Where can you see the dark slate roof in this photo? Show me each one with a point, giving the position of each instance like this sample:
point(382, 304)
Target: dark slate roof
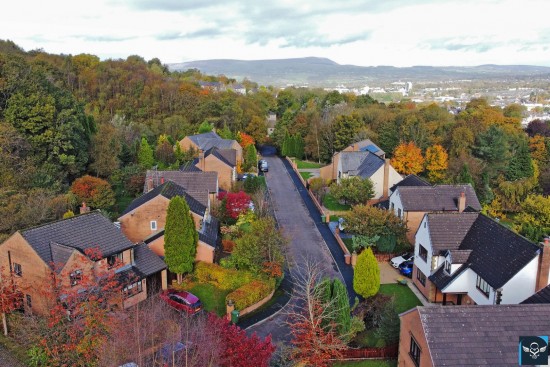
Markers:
point(480, 335)
point(209, 233)
point(190, 166)
point(146, 262)
point(81, 232)
point(410, 180)
point(190, 181)
point(168, 189)
point(460, 256)
point(227, 156)
point(209, 140)
point(60, 255)
point(200, 196)
point(497, 253)
point(362, 164)
point(542, 296)
point(441, 279)
point(436, 198)
point(367, 145)
point(447, 230)
point(200, 138)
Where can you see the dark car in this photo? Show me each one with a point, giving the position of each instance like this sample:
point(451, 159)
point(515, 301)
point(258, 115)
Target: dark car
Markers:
point(182, 301)
point(406, 268)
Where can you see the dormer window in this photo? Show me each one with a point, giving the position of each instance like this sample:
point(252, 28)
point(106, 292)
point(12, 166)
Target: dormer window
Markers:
point(448, 266)
point(113, 260)
point(75, 277)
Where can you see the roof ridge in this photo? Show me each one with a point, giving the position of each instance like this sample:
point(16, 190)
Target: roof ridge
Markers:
point(74, 217)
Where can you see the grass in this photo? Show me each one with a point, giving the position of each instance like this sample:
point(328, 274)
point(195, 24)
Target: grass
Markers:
point(305, 175)
point(332, 204)
point(405, 299)
point(349, 243)
point(307, 165)
point(211, 297)
point(368, 363)
point(17, 351)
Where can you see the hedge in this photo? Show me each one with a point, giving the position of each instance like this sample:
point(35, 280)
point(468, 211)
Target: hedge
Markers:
point(251, 293)
point(226, 279)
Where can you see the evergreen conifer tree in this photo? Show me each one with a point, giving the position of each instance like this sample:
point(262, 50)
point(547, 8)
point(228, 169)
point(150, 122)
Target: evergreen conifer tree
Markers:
point(145, 155)
point(366, 275)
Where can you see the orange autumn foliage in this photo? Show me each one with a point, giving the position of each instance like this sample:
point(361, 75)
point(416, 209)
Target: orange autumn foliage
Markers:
point(245, 139)
point(407, 159)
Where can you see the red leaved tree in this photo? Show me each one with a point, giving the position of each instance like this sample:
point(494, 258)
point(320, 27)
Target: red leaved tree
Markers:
point(10, 297)
point(245, 139)
point(96, 192)
point(235, 203)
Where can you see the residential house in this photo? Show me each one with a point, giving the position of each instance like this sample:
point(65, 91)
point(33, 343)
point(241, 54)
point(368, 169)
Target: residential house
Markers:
point(330, 171)
point(368, 165)
point(410, 180)
point(469, 258)
point(542, 296)
point(271, 122)
point(145, 218)
point(62, 248)
point(212, 86)
point(202, 186)
point(238, 88)
point(468, 335)
point(222, 161)
point(209, 140)
point(411, 203)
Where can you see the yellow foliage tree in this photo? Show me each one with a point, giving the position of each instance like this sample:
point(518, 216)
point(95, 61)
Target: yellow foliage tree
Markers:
point(537, 146)
point(437, 161)
point(408, 159)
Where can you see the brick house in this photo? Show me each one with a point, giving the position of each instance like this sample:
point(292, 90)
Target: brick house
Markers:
point(468, 258)
point(330, 171)
point(144, 220)
point(33, 255)
point(210, 140)
point(202, 186)
point(468, 335)
point(222, 161)
point(411, 203)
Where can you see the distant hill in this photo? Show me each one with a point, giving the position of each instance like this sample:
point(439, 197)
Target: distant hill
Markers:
point(315, 71)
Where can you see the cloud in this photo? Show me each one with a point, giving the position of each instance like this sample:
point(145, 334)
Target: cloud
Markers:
point(91, 38)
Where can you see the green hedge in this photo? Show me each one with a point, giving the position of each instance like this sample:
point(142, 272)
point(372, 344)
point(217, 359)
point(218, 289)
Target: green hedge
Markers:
point(251, 293)
point(226, 279)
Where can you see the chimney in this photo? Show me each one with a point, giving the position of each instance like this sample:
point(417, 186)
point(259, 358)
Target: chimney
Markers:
point(84, 208)
point(201, 160)
point(386, 183)
point(462, 202)
point(544, 265)
point(162, 180)
point(149, 184)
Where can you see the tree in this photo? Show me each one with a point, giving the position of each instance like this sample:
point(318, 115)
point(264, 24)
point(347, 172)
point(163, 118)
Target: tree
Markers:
point(250, 158)
point(345, 128)
point(165, 154)
point(369, 221)
point(534, 218)
point(465, 177)
point(205, 127)
point(407, 159)
point(366, 275)
point(105, 149)
point(145, 155)
point(94, 191)
point(10, 297)
point(180, 238)
point(244, 139)
point(317, 185)
point(539, 149)
point(388, 323)
point(520, 165)
point(353, 190)
point(492, 146)
point(235, 203)
point(257, 129)
point(436, 163)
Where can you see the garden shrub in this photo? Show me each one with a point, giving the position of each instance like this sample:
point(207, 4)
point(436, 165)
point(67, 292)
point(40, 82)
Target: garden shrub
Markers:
point(222, 278)
point(251, 293)
point(228, 245)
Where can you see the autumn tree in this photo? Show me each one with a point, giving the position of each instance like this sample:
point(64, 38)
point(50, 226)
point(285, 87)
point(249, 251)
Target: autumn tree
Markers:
point(370, 221)
point(244, 139)
point(105, 149)
point(407, 159)
point(520, 165)
point(145, 155)
point(234, 203)
point(534, 218)
point(539, 149)
point(250, 158)
point(353, 190)
point(436, 163)
point(10, 297)
point(257, 129)
point(366, 274)
point(180, 238)
point(94, 191)
point(345, 128)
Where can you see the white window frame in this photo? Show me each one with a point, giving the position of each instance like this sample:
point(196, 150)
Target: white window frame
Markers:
point(153, 225)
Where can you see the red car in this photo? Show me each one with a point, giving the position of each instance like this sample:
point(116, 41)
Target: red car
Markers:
point(182, 301)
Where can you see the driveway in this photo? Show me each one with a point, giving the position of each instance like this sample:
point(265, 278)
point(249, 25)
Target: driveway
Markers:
point(305, 241)
point(6, 359)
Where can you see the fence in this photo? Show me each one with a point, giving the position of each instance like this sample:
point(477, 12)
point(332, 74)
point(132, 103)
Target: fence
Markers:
point(389, 351)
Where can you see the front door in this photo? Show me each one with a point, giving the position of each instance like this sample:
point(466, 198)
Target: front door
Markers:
point(459, 299)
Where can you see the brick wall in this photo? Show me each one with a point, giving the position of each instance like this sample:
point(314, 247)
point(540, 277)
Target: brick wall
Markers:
point(413, 220)
point(225, 172)
point(411, 326)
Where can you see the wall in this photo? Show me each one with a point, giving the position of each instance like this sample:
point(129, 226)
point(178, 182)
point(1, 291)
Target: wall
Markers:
point(137, 298)
point(35, 273)
point(413, 220)
point(136, 225)
point(378, 180)
point(225, 172)
point(522, 285)
point(205, 252)
point(411, 325)
point(187, 144)
point(257, 305)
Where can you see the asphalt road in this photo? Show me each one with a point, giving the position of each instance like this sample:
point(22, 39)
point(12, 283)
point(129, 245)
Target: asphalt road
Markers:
point(305, 241)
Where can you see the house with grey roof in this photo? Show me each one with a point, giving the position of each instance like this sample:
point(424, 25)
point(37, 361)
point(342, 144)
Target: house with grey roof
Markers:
point(202, 186)
point(210, 140)
point(491, 335)
point(72, 248)
point(367, 165)
point(145, 218)
point(469, 258)
point(411, 203)
point(222, 161)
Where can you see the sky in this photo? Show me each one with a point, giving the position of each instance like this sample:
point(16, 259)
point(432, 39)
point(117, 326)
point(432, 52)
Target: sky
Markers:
point(357, 32)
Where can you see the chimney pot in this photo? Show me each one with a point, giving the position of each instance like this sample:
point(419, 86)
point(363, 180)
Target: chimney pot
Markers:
point(84, 208)
point(462, 202)
point(161, 180)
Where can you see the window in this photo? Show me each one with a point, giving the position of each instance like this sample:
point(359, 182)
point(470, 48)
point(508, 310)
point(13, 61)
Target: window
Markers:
point(414, 352)
point(399, 212)
point(420, 276)
point(133, 289)
point(17, 270)
point(29, 301)
point(482, 286)
point(423, 253)
point(76, 277)
point(392, 206)
point(425, 224)
point(153, 225)
point(113, 260)
point(448, 267)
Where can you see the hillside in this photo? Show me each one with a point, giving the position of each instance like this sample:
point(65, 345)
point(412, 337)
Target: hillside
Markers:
point(314, 71)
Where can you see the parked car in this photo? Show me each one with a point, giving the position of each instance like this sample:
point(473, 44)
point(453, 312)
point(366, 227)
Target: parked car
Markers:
point(245, 176)
point(341, 226)
point(262, 165)
point(406, 269)
point(398, 260)
point(182, 301)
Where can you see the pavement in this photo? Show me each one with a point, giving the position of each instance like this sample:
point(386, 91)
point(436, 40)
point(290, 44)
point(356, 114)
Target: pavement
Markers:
point(7, 360)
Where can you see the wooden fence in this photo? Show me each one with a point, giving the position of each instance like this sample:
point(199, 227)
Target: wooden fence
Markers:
point(389, 351)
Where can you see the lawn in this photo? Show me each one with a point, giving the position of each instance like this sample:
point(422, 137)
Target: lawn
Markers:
point(349, 243)
point(211, 297)
point(405, 299)
point(368, 363)
point(306, 164)
point(332, 204)
point(305, 175)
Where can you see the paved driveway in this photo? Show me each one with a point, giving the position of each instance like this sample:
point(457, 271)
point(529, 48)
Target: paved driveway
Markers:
point(305, 240)
point(7, 360)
